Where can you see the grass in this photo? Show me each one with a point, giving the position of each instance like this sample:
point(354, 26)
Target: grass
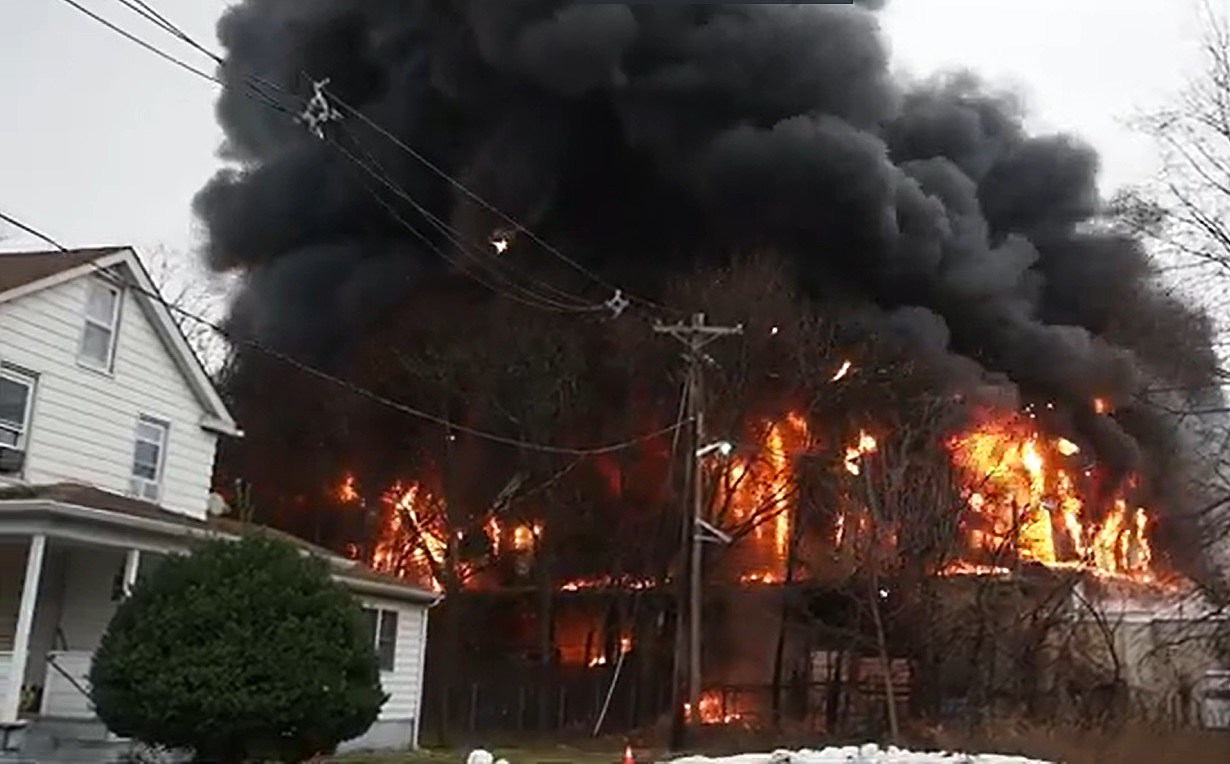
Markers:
point(1129, 744)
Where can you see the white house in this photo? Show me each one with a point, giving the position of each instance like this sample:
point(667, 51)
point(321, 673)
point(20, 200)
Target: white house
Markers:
point(1166, 642)
point(108, 432)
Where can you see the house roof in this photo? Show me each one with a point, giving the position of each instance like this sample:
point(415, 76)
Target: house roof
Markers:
point(79, 495)
point(22, 268)
point(89, 496)
point(23, 273)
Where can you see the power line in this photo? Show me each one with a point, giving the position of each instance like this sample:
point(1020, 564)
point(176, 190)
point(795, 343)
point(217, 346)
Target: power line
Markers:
point(259, 94)
point(260, 88)
point(256, 84)
point(458, 238)
point(144, 9)
point(474, 196)
point(427, 242)
point(530, 297)
point(151, 48)
point(147, 12)
point(358, 389)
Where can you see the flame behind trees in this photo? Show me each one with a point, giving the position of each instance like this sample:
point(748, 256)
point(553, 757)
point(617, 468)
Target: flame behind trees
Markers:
point(1024, 496)
point(1025, 502)
point(425, 502)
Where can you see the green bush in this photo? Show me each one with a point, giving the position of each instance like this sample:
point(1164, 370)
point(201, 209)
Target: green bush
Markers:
point(241, 651)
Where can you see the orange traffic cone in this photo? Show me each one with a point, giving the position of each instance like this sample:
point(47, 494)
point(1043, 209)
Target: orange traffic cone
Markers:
point(628, 759)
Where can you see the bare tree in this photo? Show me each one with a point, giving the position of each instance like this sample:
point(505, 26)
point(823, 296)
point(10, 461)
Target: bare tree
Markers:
point(191, 294)
point(1184, 216)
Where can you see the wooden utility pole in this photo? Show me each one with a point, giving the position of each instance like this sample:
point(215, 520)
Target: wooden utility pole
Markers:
point(695, 336)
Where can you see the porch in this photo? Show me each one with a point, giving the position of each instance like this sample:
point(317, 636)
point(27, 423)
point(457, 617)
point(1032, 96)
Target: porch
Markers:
point(57, 596)
point(69, 554)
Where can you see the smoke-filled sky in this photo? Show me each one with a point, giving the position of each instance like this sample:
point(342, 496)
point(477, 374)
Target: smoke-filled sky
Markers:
point(100, 142)
point(643, 138)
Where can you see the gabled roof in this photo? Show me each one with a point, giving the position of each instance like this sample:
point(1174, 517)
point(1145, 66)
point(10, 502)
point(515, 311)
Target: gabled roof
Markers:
point(120, 510)
point(24, 273)
point(22, 268)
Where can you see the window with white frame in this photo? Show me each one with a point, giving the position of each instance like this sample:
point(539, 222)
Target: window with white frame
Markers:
point(102, 314)
point(383, 628)
point(16, 403)
point(148, 457)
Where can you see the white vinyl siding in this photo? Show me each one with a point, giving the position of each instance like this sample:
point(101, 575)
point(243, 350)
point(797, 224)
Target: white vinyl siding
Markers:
point(83, 428)
point(102, 316)
point(404, 682)
point(16, 402)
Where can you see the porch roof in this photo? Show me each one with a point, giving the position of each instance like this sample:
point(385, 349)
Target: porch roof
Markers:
point(86, 505)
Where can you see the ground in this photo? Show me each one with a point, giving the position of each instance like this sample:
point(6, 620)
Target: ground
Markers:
point(542, 755)
point(1133, 744)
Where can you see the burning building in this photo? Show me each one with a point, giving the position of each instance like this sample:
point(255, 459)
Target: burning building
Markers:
point(1031, 526)
point(955, 369)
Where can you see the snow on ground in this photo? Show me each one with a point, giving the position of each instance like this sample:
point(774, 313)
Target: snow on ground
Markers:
point(867, 754)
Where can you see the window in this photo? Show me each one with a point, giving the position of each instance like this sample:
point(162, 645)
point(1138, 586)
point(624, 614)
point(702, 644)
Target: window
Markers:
point(102, 312)
point(16, 401)
point(383, 628)
point(147, 458)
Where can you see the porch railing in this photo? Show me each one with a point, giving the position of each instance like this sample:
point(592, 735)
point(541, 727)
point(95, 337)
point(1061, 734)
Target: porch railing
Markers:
point(65, 687)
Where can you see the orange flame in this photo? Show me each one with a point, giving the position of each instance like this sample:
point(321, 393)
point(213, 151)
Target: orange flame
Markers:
point(712, 710)
point(624, 647)
point(346, 492)
point(1025, 506)
point(523, 537)
point(758, 491)
point(963, 568)
point(413, 541)
point(854, 454)
point(496, 533)
point(1024, 501)
point(764, 577)
point(607, 582)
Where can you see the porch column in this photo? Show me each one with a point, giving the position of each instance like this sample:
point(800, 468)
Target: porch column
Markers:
point(131, 564)
point(11, 700)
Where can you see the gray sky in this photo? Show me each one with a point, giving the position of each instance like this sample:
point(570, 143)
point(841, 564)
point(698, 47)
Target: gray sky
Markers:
point(103, 143)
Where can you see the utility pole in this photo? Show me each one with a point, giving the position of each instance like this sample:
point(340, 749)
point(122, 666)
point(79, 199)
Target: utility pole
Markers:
point(695, 336)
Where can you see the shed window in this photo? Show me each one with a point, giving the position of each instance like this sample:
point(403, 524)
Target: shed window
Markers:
point(382, 625)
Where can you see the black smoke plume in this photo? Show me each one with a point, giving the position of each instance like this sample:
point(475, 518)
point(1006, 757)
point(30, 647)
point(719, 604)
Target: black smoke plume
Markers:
point(641, 138)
